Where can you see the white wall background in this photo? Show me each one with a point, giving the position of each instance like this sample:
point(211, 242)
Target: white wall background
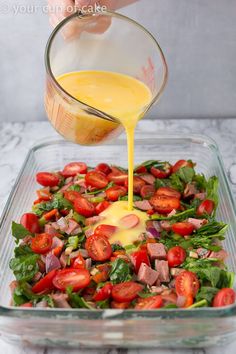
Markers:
point(198, 38)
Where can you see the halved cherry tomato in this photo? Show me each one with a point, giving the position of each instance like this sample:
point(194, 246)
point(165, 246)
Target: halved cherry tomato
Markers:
point(224, 297)
point(84, 207)
point(168, 192)
point(141, 169)
point(162, 171)
point(47, 179)
point(45, 284)
point(183, 228)
point(104, 168)
point(138, 184)
point(71, 195)
point(78, 262)
point(147, 191)
point(105, 230)
point(49, 215)
point(115, 192)
point(139, 257)
point(102, 206)
point(103, 293)
point(126, 292)
point(181, 163)
point(74, 168)
point(120, 305)
point(118, 178)
point(98, 248)
point(206, 207)
point(27, 305)
point(186, 283)
point(44, 194)
point(96, 179)
point(129, 221)
point(75, 278)
point(41, 243)
point(163, 204)
point(176, 256)
point(153, 302)
point(150, 212)
point(30, 222)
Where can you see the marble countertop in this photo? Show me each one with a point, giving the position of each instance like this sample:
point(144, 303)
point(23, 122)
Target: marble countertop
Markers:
point(17, 138)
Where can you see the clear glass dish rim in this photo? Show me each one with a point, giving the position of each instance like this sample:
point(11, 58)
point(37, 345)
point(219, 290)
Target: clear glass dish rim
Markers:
point(110, 314)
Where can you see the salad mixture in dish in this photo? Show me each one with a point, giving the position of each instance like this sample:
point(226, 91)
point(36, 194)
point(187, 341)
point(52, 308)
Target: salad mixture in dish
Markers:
point(81, 247)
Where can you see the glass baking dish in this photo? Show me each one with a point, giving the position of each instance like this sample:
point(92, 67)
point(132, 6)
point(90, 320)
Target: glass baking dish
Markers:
point(82, 328)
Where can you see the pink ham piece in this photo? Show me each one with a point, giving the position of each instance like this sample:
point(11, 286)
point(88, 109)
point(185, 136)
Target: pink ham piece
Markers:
point(89, 232)
point(52, 262)
point(165, 225)
point(162, 269)
point(129, 221)
point(221, 255)
point(49, 229)
point(13, 285)
point(64, 188)
point(156, 251)
point(157, 289)
point(203, 253)
point(200, 196)
point(148, 178)
point(73, 227)
point(173, 212)
point(61, 300)
point(176, 271)
point(143, 205)
point(147, 275)
point(62, 224)
point(190, 190)
point(197, 223)
point(93, 220)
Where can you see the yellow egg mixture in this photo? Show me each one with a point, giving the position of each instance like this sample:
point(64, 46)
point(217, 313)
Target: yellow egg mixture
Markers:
point(124, 98)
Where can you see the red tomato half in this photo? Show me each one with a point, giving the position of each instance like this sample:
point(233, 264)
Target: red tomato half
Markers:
point(120, 305)
point(96, 179)
point(147, 191)
point(75, 278)
point(153, 302)
point(181, 163)
point(41, 243)
point(104, 168)
point(206, 207)
point(163, 204)
point(176, 256)
point(138, 184)
point(141, 169)
point(74, 168)
point(27, 305)
point(105, 230)
point(78, 262)
point(84, 207)
point(168, 192)
point(139, 257)
point(118, 178)
point(98, 248)
point(103, 293)
point(102, 206)
point(186, 283)
point(30, 222)
point(47, 179)
point(183, 228)
point(224, 297)
point(45, 284)
point(126, 292)
point(71, 195)
point(115, 192)
point(163, 172)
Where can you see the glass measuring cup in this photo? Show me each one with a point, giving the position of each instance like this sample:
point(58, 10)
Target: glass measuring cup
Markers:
point(101, 41)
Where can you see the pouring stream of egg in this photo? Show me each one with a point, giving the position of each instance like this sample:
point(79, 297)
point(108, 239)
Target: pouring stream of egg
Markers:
point(124, 98)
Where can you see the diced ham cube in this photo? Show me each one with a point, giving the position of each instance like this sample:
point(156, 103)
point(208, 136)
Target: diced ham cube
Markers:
point(200, 196)
point(162, 269)
point(221, 255)
point(93, 220)
point(49, 229)
point(143, 205)
point(147, 275)
point(165, 225)
point(197, 223)
point(190, 190)
point(156, 251)
point(148, 178)
point(61, 300)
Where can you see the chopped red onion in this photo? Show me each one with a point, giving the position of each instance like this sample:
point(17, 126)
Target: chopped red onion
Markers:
point(154, 232)
point(88, 263)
